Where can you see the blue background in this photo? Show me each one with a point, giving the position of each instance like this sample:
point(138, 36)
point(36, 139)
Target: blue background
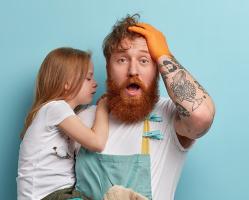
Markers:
point(210, 38)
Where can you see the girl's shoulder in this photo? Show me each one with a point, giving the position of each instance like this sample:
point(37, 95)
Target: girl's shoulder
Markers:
point(55, 104)
point(56, 111)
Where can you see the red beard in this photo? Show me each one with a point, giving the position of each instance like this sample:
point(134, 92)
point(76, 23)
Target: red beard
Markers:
point(130, 109)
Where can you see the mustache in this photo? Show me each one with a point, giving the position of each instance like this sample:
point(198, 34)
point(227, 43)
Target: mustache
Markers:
point(133, 80)
point(114, 89)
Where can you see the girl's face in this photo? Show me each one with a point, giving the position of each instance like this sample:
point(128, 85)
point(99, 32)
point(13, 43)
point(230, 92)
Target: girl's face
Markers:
point(88, 88)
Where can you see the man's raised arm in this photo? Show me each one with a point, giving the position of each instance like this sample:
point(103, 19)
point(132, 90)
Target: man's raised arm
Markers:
point(195, 108)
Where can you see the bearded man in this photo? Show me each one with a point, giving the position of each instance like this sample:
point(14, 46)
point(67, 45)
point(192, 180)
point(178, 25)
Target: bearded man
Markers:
point(149, 135)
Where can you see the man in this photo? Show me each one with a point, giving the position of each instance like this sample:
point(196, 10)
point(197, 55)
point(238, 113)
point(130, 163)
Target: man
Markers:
point(148, 135)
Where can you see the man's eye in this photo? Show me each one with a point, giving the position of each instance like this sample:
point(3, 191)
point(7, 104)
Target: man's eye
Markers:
point(144, 61)
point(121, 60)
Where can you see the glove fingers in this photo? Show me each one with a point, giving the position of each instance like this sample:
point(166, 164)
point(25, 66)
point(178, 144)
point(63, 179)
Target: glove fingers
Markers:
point(146, 26)
point(139, 30)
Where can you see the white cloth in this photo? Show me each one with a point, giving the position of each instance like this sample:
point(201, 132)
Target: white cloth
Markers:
point(118, 192)
point(46, 155)
point(167, 155)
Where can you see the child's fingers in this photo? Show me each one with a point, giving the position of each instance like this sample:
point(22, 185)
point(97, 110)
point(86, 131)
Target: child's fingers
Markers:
point(103, 97)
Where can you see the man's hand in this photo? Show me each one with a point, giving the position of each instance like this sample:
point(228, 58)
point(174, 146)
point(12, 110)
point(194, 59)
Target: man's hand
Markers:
point(155, 40)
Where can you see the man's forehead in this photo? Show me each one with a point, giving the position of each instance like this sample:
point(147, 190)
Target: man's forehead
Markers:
point(137, 43)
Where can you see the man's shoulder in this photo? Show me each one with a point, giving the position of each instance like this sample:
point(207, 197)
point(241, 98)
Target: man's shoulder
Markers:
point(163, 100)
point(88, 109)
point(88, 115)
point(164, 104)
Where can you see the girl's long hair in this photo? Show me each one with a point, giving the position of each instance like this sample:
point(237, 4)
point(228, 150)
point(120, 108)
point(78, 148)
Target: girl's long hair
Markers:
point(62, 66)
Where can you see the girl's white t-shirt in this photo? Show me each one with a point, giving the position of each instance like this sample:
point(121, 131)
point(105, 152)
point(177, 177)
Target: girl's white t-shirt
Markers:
point(46, 155)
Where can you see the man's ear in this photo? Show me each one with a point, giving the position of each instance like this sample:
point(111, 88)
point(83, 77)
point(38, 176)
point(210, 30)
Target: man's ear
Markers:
point(107, 70)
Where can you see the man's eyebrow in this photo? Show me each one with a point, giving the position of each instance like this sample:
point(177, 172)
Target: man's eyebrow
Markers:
point(120, 51)
point(125, 50)
point(144, 51)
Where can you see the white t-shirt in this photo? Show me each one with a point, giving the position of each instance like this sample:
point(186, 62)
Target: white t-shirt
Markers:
point(46, 156)
point(167, 155)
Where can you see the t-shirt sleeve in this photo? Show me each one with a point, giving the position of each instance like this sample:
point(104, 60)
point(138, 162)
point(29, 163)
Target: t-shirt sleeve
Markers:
point(57, 111)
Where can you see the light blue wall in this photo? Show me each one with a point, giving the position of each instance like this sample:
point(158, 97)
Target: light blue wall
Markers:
point(210, 38)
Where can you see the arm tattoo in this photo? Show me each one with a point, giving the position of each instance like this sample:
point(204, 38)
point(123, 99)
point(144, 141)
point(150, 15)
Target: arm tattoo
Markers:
point(196, 82)
point(183, 89)
point(181, 110)
point(169, 66)
point(177, 63)
point(201, 88)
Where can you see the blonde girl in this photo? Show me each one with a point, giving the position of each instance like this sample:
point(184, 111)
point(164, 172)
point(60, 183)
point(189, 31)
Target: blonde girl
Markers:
point(52, 129)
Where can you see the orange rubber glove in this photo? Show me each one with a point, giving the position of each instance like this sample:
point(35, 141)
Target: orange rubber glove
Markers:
point(155, 40)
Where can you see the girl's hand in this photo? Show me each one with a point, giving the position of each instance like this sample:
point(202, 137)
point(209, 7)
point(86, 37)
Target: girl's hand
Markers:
point(102, 102)
point(93, 138)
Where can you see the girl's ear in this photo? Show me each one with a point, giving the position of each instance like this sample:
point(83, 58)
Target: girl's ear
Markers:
point(67, 86)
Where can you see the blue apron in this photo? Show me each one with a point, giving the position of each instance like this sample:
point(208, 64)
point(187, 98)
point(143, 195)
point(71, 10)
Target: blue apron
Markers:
point(96, 173)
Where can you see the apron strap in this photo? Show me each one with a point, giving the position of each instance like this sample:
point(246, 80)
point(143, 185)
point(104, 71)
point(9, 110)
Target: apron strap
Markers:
point(147, 134)
point(145, 140)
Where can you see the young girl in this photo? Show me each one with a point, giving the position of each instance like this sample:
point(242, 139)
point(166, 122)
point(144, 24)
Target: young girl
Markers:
point(46, 157)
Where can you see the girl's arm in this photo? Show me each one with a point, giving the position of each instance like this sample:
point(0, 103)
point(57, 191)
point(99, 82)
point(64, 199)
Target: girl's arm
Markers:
point(93, 139)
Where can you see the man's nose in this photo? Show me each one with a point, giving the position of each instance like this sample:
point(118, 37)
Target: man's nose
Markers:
point(133, 70)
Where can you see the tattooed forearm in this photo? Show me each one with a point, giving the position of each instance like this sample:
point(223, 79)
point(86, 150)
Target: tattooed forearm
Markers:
point(191, 100)
point(201, 88)
point(181, 110)
point(176, 78)
point(169, 66)
point(177, 63)
point(183, 89)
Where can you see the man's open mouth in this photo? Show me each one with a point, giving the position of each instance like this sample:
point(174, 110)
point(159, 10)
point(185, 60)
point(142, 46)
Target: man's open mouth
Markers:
point(133, 89)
